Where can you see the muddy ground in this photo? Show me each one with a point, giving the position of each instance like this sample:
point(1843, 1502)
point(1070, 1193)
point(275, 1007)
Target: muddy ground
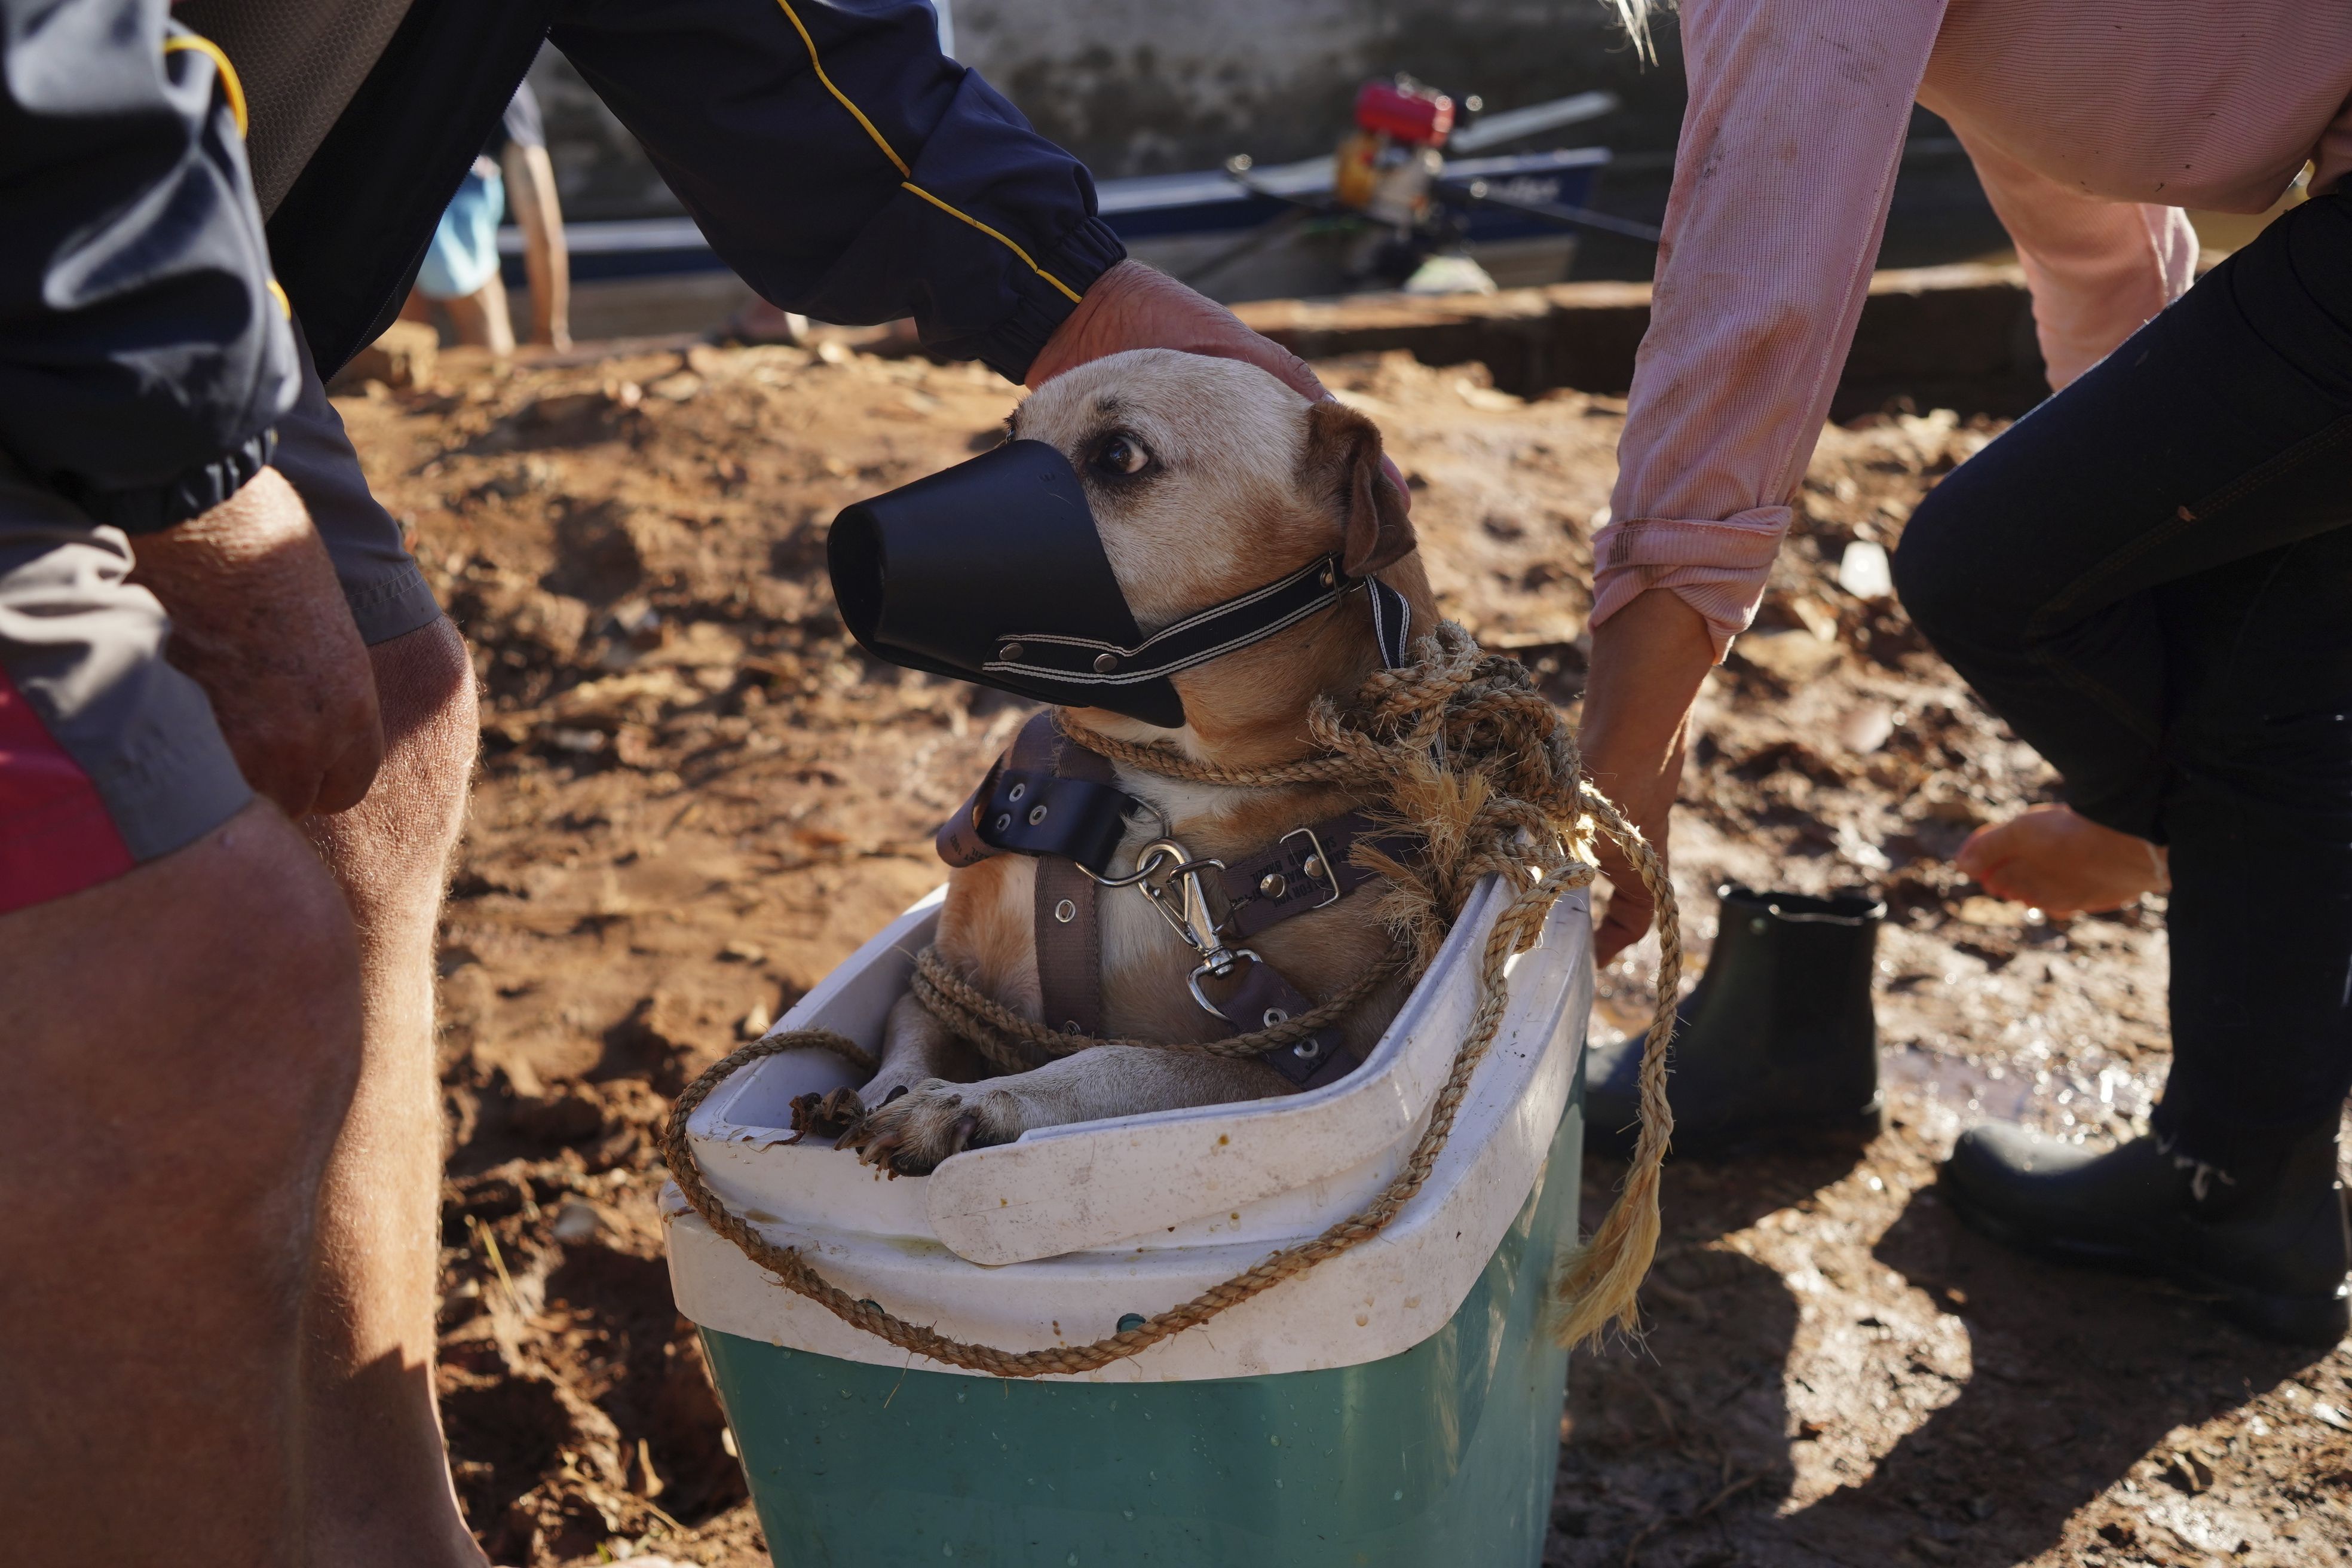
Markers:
point(695, 798)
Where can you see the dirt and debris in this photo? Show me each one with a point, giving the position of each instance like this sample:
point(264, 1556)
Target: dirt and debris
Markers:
point(695, 798)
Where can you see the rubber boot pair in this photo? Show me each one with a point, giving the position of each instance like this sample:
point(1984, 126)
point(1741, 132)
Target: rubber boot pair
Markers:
point(1776, 1047)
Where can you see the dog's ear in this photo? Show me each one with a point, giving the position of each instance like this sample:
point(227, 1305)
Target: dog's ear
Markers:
point(1343, 463)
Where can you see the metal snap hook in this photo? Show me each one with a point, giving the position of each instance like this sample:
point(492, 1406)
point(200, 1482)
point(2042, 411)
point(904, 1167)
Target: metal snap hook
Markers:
point(1211, 965)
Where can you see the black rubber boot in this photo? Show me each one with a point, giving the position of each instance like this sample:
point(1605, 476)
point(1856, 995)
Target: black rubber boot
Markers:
point(1776, 1045)
point(2269, 1248)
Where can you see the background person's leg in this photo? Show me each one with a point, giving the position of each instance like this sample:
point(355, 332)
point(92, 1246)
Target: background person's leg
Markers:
point(381, 1490)
point(461, 264)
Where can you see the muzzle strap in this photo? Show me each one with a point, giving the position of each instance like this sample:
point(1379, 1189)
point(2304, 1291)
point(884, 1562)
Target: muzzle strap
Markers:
point(1391, 623)
point(1220, 629)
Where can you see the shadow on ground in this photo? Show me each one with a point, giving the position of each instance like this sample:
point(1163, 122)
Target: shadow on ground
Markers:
point(1836, 1371)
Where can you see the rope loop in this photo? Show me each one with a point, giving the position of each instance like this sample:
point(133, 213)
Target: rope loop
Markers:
point(1462, 748)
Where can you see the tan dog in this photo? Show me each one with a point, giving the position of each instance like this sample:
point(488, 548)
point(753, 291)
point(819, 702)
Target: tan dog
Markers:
point(1207, 477)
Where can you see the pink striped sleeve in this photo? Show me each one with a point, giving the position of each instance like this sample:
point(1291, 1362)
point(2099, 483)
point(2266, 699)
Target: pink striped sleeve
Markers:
point(1795, 125)
point(2097, 268)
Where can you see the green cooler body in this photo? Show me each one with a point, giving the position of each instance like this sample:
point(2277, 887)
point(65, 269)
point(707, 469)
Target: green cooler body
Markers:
point(1380, 1410)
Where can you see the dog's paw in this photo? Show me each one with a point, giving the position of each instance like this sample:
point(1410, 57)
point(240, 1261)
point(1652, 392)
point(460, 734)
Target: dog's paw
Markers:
point(827, 1115)
point(915, 1131)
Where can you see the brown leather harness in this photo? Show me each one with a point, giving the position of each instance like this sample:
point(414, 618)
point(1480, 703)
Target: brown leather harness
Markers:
point(1056, 801)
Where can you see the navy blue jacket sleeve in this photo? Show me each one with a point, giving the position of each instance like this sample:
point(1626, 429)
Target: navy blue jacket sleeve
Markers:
point(848, 170)
point(144, 359)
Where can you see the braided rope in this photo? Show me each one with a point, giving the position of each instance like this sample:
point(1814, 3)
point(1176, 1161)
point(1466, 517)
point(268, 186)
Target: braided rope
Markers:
point(1511, 802)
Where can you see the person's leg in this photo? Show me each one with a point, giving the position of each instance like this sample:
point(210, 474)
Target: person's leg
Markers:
point(181, 992)
point(2149, 585)
point(180, 1044)
point(2219, 432)
point(381, 1489)
point(547, 259)
point(2258, 810)
point(481, 318)
point(461, 263)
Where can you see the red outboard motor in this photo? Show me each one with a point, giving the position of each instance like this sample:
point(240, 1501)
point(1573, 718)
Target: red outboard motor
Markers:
point(1385, 166)
point(1406, 111)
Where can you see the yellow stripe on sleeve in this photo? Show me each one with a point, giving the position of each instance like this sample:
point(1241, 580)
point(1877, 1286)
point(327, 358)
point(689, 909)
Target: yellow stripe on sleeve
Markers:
point(231, 88)
point(1068, 292)
point(842, 98)
point(906, 175)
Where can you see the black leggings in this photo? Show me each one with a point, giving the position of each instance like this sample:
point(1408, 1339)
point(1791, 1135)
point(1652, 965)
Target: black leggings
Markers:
point(2150, 577)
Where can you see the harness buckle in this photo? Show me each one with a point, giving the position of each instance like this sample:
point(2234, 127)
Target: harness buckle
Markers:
point(1317, 865)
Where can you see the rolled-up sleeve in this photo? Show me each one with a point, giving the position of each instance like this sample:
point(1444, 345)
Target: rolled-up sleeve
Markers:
point(848, 170)
point(1795, 127)
point(143, 358)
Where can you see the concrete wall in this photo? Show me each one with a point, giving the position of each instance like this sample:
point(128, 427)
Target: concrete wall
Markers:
point(1139, 87)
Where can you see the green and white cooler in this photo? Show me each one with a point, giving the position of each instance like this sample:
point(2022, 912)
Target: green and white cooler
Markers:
point(1396, 1404)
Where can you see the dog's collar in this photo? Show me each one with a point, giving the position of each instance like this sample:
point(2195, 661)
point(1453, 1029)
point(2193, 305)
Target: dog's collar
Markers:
point(1209, 634)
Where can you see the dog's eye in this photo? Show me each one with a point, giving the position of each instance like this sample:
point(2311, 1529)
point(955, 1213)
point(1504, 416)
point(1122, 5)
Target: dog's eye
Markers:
point(1123, 456)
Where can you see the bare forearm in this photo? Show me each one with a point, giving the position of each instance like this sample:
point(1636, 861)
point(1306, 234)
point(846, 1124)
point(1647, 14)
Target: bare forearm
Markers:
point(1648, 661)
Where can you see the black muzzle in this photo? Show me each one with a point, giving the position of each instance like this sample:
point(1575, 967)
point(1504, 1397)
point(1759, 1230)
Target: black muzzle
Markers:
point(992, 571)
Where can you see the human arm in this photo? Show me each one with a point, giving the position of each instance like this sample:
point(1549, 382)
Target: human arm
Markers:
point(1789, 144)
point(259, 621)
point(1795, 126)
point(530, 193)
point(143, 358)
point(847, 169)
point(896, 183)
point(2098, 269)
point(1648, 663)
point(144, 362)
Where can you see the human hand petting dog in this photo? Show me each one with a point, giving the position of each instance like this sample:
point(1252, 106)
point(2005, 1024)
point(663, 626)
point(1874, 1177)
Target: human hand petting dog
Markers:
point(260, 623)
point(1136, 307)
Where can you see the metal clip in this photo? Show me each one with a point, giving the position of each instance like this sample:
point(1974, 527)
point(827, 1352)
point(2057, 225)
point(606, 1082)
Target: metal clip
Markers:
point(1147, 862)
point(1183, 903)
point(1187, 912)
point(1211, 965)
